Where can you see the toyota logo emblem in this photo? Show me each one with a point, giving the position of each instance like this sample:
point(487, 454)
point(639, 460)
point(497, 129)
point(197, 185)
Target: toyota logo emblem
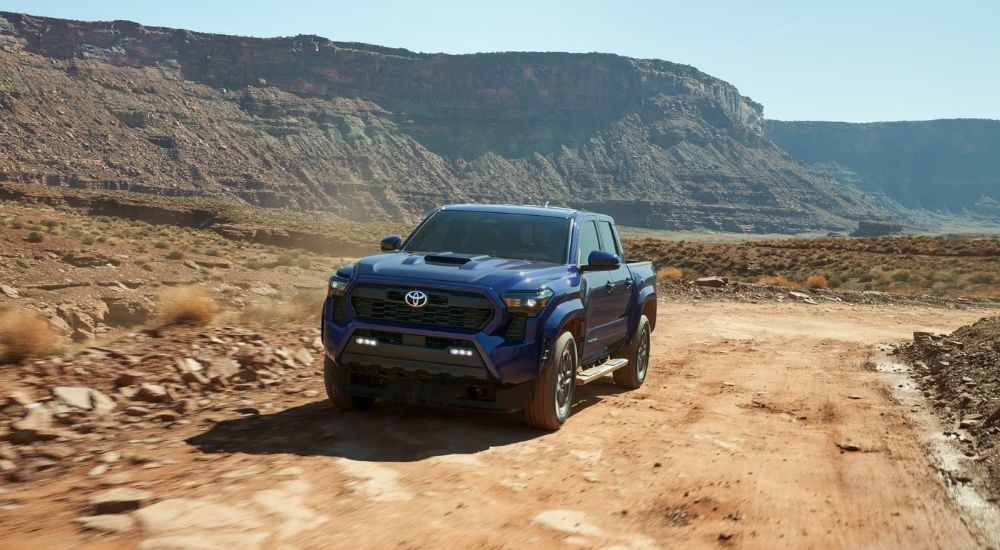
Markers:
point(416, 298)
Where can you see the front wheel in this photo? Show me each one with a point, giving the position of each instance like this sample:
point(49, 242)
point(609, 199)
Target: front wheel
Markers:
point(341, 399)
point(632, 375)
point(553, 399)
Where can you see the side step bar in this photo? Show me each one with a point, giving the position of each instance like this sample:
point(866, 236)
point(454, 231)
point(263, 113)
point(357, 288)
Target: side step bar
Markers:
point(595, 372)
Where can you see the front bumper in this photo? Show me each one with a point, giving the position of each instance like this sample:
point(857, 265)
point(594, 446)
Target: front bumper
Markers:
point(477, 370)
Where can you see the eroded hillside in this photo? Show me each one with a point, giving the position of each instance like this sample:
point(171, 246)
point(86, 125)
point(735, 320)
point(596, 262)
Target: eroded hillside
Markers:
point(365, 132)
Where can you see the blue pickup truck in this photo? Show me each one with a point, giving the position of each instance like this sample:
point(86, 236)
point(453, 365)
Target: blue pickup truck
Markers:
point(499, 308)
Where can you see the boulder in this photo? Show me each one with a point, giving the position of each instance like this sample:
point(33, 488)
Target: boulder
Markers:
point(128, 310)
point(714, 282)
point(118, 500)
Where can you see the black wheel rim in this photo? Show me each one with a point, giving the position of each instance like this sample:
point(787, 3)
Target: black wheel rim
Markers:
point(565, 371)
point(642, 354)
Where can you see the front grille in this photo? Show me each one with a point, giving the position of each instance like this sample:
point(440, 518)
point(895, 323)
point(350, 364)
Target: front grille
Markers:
point(444, 309)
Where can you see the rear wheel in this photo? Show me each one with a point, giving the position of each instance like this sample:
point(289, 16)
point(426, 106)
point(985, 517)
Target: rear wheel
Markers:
point(632, 375)
point(553, 399)
point(341, 399)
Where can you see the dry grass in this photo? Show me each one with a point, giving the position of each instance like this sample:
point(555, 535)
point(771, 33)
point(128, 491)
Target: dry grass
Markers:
point(187, 304)
point(940, 266)
point(777, 280)
point(25, 334)
point(669, 272)
point(817, 281)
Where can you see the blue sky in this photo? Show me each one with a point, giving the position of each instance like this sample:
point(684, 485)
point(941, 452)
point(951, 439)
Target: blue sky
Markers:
point(848, 60)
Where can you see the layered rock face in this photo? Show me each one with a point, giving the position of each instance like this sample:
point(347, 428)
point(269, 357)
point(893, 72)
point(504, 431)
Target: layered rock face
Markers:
point(949, 165)
point(371, 133)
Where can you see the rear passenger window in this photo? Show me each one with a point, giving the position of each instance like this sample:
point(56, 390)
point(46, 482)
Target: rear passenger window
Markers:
point(588, 241)
point(608, 243)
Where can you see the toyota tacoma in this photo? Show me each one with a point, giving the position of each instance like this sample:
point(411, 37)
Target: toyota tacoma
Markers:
point(497, 308)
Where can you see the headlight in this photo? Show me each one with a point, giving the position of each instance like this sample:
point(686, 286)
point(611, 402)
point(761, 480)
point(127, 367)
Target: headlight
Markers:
point(530, 303)
point(337, 286)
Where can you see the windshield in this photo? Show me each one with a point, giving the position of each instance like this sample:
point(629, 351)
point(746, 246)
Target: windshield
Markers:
point(499, 234)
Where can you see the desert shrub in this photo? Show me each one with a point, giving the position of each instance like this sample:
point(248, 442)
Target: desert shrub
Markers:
point(35, 237)
point(982, 278)
point(777, 280)
point(175, 254)
point(212, 252)
point(24, 334)
point(88, 240)
point(161, 244)
point(187, 304)
point(817, 281)
point(50, 224)
point(901, 276)
point(16, 224)
point(287, 259)
point(669, 272)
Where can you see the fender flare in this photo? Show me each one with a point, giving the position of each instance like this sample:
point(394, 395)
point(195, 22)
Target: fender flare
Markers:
point(565, 313)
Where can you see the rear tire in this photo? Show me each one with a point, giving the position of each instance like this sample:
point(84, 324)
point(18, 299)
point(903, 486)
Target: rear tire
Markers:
point(341, 399)
point(631, 376)
point(553, 399)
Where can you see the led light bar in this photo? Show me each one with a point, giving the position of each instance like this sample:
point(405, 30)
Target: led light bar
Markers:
point(365, 341)
point(463, 352)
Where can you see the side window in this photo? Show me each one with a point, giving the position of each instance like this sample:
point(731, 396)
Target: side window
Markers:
point(588, 241)
point(608, 243)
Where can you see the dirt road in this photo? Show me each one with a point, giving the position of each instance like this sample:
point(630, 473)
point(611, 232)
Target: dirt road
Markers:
point(758, 427)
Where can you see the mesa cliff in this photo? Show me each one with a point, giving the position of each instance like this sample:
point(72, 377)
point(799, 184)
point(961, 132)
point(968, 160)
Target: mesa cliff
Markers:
point(938, 165)
point(371, 133)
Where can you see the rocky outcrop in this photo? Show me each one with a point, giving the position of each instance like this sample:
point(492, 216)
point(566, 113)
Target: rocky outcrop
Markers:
point(950, 165)
point(365, 132)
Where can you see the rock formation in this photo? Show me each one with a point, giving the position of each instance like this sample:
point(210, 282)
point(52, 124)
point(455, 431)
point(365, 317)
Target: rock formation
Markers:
point(365, 132)
point(949, 165)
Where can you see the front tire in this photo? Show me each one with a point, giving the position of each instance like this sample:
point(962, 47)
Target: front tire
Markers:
point(341, 399)
point(631, 376)
point(550, 406)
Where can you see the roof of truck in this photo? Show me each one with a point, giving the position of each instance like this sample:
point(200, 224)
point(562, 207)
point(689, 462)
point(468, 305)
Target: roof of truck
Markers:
point(532, 210)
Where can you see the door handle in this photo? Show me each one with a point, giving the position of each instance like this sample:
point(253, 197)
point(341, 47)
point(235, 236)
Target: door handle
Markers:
point(628, 283)
point(609, 286)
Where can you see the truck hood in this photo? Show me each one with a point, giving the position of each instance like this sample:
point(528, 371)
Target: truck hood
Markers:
point(501, 274)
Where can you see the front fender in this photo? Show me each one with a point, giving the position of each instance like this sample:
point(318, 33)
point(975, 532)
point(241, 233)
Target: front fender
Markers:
point(565, 313)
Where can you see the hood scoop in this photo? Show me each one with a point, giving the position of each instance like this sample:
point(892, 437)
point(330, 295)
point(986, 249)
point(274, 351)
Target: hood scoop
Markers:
point(451, 259)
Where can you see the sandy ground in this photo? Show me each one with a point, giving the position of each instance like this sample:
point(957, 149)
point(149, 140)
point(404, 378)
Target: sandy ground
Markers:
point(737, 439)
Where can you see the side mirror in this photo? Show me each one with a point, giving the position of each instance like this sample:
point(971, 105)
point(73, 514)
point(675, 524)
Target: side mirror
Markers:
point(600, 260)
point(391, 243)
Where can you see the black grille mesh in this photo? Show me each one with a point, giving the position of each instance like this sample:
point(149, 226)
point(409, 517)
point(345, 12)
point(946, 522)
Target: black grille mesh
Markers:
point(475, 314)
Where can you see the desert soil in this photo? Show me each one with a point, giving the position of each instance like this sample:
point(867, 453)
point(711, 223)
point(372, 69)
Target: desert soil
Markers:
point(759, 426)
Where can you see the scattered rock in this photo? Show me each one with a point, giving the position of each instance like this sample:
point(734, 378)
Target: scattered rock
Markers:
point(137, 411)
point(10, 291)
point(118, 500)
point(110, 457)
point(567, 521)
point(55, 452)
point(107, 523)
point(223, 368)
point(303, 356)
point(188, 364)
point(129, 378)
point(848, 447)
point(19, 398)
point(129, 310)
point(713, 282)
point(153, 393)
